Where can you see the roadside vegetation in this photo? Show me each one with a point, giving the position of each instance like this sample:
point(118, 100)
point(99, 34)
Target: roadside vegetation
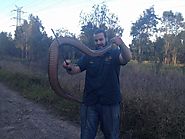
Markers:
point(153, 104)
point(36, 87)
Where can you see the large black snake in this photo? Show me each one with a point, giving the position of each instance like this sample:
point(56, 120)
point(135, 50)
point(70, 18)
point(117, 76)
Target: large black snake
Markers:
point(53, 62)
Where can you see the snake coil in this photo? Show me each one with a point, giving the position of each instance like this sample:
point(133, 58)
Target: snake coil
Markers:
point(54, 58)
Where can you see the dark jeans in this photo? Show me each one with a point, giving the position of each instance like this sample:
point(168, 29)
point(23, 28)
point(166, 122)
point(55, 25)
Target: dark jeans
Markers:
point(108, 116)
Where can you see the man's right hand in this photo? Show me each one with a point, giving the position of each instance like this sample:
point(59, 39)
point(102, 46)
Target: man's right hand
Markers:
point(71, 68)
point(67, 65)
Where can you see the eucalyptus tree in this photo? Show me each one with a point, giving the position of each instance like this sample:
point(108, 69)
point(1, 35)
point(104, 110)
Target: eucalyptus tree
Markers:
point(142, 31)
point(99, 17)
point(158, 53)
point(21, 39)
point(35, 38)
point(172, 25)
point(31, 38)
point(180, 41)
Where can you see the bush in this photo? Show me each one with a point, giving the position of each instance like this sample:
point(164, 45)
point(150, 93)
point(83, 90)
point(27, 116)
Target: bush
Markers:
point(153, 103)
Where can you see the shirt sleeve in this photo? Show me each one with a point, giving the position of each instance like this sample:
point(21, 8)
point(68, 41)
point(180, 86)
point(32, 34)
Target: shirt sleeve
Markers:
point(115, 54)
point(82, 63)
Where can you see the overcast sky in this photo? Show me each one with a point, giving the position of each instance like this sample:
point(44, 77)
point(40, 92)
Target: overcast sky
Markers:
point(59, 14)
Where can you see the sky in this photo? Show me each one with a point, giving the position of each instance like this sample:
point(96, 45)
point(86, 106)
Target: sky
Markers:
point(58, 14)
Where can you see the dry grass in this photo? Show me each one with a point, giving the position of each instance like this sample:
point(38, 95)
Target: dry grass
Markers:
point(153, 103)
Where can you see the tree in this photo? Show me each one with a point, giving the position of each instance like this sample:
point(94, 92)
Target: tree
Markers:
point(33, 41)
point(7, 46)
point(141, 31)
point(21, 39)
point(68, 52)
point(172, 25)
point(35, 38)
point(180, 40)
point(159, 53)
point(100, 17)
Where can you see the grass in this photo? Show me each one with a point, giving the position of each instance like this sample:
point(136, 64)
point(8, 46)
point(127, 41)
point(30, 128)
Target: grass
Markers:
point(37, 88)
point(153, 104)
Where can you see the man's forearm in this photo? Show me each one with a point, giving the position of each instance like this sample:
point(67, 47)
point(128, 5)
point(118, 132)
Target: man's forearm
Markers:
point(125, 52)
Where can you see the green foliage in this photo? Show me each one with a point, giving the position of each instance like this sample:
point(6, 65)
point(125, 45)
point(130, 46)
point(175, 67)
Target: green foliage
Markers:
point(172, 23)
point(141, 31)
point(22, 81)
point(32, 40)
point(149, 27)
point(100, 17)
point(146, 25)
point(159, 52)
point(181, 43)
point(7, 47)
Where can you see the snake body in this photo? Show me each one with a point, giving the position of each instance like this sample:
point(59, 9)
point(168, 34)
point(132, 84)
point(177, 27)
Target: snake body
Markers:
point(54, 58)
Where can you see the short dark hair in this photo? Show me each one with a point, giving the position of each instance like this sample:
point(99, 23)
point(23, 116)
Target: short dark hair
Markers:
point(100, 30)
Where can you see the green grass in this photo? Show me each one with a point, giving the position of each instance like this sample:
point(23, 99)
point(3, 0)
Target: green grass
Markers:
point(37, 88)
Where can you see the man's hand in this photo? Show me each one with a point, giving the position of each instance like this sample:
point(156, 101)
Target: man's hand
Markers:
point(117, 40)
point(125, 53)
point(67, 65)
point(71, 68)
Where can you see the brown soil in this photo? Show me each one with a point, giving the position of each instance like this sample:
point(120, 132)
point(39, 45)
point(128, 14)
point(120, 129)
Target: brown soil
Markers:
point(23, 119)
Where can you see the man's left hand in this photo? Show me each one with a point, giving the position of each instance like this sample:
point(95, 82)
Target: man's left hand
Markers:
point(117, 40)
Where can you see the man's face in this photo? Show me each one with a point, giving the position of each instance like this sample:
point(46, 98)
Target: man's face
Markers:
point(100, 40)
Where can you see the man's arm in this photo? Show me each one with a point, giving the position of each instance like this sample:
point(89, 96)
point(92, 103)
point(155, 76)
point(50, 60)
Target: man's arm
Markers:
point(125, 53)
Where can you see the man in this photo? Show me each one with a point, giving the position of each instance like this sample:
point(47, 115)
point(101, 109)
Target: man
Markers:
point(102, 95)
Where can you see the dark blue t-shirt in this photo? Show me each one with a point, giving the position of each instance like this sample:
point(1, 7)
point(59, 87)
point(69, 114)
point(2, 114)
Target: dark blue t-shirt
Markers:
point(102, 78)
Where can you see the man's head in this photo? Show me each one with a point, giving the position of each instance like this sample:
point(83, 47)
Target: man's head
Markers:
point(100, 38)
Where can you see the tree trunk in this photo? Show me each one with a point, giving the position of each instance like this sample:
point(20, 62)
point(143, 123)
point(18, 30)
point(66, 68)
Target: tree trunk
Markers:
point(167, 56)
point(174, 56)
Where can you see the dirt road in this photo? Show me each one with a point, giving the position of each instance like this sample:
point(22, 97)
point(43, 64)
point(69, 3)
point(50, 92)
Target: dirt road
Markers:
point(23, 119)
